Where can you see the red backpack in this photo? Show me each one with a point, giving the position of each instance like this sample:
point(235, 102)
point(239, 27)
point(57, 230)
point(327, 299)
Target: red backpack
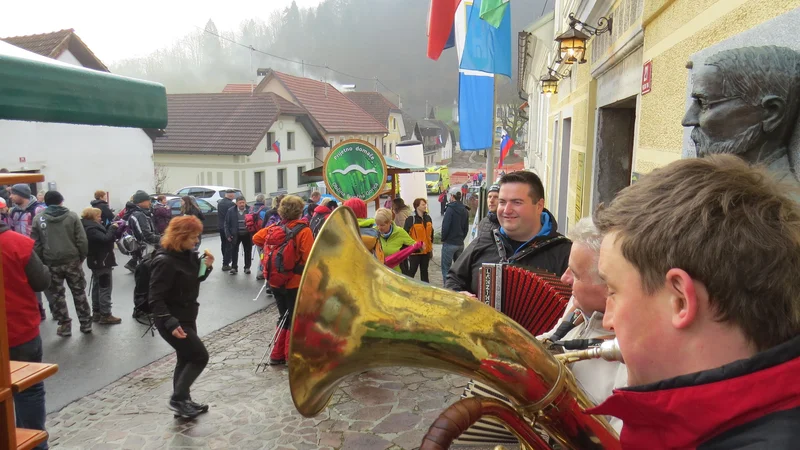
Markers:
point(281, 256)
point(253, 221)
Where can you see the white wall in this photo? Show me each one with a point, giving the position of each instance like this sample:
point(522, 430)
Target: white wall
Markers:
point(80, 159)
point(239, 171)
point(69, 58)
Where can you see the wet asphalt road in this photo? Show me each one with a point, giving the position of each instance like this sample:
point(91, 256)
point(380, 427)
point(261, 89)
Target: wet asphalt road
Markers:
point(92, 361)
point(88, 362)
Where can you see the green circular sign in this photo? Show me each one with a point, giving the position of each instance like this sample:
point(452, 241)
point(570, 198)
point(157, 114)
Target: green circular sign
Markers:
point(355, 168)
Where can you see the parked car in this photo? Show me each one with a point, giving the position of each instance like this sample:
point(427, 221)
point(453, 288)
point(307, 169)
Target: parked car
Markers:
point(211, 194)
point(211, 221)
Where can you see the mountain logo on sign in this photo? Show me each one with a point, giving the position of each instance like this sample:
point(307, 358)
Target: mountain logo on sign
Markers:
point(353, 168)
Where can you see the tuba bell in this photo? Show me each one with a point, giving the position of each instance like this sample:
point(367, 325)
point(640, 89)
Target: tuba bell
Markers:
point(354, 314)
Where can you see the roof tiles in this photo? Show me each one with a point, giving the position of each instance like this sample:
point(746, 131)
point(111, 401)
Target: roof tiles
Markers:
point(374, 103)
point(221, 124)
point(329, 107)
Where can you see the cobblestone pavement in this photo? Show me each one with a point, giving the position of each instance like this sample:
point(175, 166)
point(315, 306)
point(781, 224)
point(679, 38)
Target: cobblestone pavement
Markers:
point(380, 409)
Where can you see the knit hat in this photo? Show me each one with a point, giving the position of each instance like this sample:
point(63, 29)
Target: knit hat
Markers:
point(494, 188)
point(358, 206)
point(53, 198)
point(332, 204)
point(140, 196)
point(21, 189)
point(2, 202)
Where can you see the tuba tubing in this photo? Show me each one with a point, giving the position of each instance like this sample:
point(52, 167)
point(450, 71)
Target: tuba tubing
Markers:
point(354, 314)
point(464, 413)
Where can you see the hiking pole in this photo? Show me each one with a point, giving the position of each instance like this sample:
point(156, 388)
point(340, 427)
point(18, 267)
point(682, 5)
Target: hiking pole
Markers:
point(260, 291)
point(272, 341)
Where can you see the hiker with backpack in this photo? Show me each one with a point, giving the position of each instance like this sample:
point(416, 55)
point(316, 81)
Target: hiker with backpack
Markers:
point(101, 202)
point(20, 218)
point(161, 214)
point(321, 214)
point(139, 219)
point(61, 244)
point(236, 233)
point(286, 248)
point(271, 217)
point(101, 262)
point(175, 274)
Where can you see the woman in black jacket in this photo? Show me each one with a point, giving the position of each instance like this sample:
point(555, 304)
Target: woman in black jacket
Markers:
point(101, 262)
point(176, 271)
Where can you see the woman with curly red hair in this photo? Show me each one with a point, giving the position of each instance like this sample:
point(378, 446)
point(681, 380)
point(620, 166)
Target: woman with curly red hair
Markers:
point(176, 272)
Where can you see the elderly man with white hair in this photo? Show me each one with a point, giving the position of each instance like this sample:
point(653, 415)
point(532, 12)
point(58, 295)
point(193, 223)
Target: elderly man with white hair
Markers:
point(597, 378)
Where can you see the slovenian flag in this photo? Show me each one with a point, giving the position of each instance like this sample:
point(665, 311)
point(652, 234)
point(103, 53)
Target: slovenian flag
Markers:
point(277, 147)
point(506, 143)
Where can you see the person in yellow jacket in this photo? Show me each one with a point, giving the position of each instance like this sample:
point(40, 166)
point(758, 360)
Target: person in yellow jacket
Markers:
point(392, 237)
point(420, 227)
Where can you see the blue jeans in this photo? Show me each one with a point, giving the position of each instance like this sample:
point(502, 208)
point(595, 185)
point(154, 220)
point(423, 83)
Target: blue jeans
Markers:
point(29, 404)
point(450, 253)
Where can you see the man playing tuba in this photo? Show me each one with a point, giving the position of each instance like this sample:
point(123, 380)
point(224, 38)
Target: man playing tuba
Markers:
point(701, 259)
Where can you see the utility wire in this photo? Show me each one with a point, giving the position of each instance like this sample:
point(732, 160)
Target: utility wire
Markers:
point(303, 63)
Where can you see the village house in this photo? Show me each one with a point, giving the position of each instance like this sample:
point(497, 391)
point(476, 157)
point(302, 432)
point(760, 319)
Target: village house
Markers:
point(77, 160)
point(338, 117)
point(229, 139)
point(386, 113)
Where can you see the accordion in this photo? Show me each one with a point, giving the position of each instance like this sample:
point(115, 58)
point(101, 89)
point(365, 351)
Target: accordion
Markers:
point(535, 299)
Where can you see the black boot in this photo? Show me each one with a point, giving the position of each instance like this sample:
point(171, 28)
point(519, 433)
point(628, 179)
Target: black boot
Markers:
point(200, 407)
point(183, 409)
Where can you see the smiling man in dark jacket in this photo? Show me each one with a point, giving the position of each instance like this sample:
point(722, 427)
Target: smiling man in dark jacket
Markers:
point(528, 235)
point(455, 226)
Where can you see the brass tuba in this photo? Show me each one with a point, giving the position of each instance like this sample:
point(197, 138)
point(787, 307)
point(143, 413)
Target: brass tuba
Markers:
point(354, 314)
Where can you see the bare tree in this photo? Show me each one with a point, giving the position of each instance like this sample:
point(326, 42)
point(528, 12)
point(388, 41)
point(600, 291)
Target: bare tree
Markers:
point(514, 119)
point(160, 176)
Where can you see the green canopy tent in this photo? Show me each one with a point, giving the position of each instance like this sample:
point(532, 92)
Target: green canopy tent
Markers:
point(39, 89)
point(393, 166)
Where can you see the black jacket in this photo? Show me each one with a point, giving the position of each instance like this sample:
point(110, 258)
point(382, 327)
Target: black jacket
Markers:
point(174, 287)
point(101, 245)
point(222, 211)
point(106, 215)
point(141, 221)
point(455, 224)
point(232, 221)
point(550, 253)
point(487, 225)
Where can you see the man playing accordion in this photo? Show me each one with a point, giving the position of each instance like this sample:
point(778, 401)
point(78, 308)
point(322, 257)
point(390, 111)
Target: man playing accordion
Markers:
point(701, 259)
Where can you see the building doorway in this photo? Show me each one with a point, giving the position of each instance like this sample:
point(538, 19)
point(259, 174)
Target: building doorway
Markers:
point(563, 178)
point(615, 132)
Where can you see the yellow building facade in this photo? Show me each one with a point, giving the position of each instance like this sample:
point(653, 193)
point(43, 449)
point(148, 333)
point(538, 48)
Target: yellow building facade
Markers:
point(601, 131)
point(674, 31)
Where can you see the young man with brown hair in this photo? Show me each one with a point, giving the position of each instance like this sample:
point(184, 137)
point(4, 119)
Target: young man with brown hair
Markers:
point(701, 259)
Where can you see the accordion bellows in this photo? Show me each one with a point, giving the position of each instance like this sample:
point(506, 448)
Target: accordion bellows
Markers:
point(535, 299)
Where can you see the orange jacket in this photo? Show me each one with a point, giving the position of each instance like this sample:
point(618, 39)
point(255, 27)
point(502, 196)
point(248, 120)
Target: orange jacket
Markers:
point(304, 241)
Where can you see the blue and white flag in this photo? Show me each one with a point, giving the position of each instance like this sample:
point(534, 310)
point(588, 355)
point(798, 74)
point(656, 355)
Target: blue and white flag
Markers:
point(475, 91)
point(486, 48)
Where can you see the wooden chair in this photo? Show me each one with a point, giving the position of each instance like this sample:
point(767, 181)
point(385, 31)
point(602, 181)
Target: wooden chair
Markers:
point(16, 376)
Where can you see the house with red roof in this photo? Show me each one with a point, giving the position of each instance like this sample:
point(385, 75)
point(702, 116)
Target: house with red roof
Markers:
point(384, 111)
point(230, 139)
point(76, 159)
point(336, 115)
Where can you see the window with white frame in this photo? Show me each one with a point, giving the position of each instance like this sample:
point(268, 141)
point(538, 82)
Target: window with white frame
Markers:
point(290, 140)
point(281, 179)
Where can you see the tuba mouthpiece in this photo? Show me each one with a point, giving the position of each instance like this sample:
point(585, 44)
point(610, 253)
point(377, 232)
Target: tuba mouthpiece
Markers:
point(608, 350)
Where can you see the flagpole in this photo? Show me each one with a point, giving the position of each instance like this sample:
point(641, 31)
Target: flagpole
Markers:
point(490, 152)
